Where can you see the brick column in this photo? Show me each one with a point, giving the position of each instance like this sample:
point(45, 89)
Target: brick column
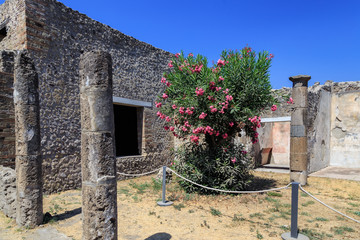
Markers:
point(29, 211)
point(98, 165)
point(298, 131)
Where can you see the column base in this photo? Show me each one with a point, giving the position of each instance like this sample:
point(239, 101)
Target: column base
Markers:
point(300, 177)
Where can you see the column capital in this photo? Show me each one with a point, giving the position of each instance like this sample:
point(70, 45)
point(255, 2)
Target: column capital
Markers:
point(300, 80)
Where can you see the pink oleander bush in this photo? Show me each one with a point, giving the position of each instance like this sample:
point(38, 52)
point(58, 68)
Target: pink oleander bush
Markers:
point(209, 107)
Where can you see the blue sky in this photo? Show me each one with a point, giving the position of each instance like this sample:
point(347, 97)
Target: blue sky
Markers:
point(313, 37)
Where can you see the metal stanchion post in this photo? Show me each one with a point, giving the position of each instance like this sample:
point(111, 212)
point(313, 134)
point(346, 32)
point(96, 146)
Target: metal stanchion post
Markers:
point(164, 202)
point(294, 234)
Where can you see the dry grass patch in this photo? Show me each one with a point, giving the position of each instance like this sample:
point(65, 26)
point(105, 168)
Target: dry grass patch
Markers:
point(193, 216)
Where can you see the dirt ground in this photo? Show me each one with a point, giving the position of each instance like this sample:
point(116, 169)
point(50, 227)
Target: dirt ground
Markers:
point(198, 217)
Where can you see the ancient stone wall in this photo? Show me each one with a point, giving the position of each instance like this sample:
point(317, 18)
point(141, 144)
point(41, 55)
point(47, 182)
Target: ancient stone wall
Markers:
point(7, 120)
point(8, 191)
point(56, 36)
point(333, 124)
point(14, 24)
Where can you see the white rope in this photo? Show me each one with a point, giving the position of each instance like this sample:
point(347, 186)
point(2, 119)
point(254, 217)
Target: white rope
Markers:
point(138, 174)
point(227, 191)
point(328, 206)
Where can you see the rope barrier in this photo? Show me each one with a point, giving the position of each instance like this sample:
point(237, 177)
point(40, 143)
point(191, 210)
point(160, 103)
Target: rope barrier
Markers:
point(328, 205)
point(228, 191)
point(138, 174)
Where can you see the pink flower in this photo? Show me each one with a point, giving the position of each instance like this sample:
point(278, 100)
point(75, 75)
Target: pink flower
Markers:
point(199, 91)
point(180, 68)
point(198, 68)
point(231, 124)
point(177, 55)
point(158, 104)
point(220, 62)
point(172, 128)
point(273, 108)
point(168, 84)
point(181, 110)
point(170, 64)
point(226, 91)
point(174, 106)
point(229, 97)
point(187, 124)
point(291, 101)
point(194, 139)
point(213, 110)
point(191, 55)
point(225, 136)
point(233, 160)
point(217, 88)
point(271, 56)
point(202, 115)
point(184, 129)
point(163, 80)
point(164, 96)
point(166, 128)
point(188, 111)
point(168, 119)
point(221, 79)
point(158, 113)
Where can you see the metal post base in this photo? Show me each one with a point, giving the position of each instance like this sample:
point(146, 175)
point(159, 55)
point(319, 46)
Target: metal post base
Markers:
point(287, 236)
point(164, 204)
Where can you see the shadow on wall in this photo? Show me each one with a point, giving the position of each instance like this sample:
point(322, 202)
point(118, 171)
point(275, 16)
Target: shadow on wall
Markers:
point(159, 236)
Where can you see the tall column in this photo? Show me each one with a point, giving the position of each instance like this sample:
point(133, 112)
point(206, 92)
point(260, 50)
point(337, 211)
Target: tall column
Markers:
point(98, 166)
point(298, 131)
point(29, 210)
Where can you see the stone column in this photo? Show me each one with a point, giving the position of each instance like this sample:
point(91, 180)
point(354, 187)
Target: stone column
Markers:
point(98, 166)
point(29, 210)
point(298, 131)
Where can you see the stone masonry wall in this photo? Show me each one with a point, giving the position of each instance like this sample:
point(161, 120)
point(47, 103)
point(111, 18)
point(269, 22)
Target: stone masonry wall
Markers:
point(7, 115)
point(56, 36)
point(333, 123)
point(15, 25)
point(8, 191)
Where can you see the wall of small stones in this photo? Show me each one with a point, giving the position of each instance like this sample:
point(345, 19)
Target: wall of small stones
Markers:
point(8, 191)
point(7, 115)
point(56, 36)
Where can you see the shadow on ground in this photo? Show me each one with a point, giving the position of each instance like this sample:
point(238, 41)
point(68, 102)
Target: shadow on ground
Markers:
point(62, 216)
point(261, 184)
point(159, 236)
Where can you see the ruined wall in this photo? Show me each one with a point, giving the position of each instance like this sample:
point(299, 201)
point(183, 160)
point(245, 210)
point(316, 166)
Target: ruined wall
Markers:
point(56, 37)
point(14, 24)
point(333, 124)
point(8, 191)
point(345, 124)
point(7, 115)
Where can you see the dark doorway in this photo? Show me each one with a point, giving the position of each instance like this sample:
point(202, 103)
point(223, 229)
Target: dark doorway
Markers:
point(127, 131)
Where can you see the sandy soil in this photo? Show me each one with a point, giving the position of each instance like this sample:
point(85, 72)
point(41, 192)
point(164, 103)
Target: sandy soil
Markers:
point(197, 217)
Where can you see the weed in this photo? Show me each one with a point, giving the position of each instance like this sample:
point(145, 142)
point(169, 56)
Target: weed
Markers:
point(205, 224)
point(189, 197)
point(258, 215)
point(342, 229)
point(312, 234)
point(156, 184)
point(152, 213)
point(303, 194)
point(191, 211)
point(357, 213)
point(340, 218)
point(124, 190)
point(321, 219)
point(258, 235)
point(307, 203)
point(237, 218)
point(139, 187)
point(274, 194)
point(215, 212)
point(354, 204)
point(285, 228)
point(269, 199)
point(136, 198)
point(8, 227)
point(179, 206)
point(305, 214)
